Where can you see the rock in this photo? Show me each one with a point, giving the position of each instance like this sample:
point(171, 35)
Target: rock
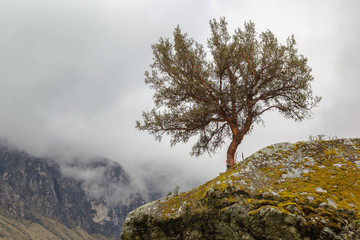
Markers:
point(291, 219)
point(284, 191)
point(320, 190)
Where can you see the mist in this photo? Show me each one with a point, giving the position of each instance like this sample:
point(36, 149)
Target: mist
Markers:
point(72, 78)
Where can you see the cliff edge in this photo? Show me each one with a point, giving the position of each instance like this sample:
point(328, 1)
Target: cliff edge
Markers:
point(306, 190)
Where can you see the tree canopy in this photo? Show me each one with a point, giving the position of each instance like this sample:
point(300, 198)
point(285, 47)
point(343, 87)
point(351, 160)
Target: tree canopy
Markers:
point(223, 96)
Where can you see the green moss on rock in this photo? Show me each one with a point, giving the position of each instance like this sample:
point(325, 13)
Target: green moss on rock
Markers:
point(306, 190)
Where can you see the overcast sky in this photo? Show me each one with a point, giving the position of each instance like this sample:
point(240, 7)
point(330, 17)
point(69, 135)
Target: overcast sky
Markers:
point(72, 74)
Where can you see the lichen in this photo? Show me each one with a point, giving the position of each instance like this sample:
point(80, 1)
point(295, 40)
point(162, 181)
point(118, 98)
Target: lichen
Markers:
point(329, 176)
point(316, 181)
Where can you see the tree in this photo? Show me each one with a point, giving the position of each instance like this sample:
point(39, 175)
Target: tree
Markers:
point(222, 97)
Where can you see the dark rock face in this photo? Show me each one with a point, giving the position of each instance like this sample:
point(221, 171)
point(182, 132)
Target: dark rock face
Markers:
point(302, 191)
point(95, 196)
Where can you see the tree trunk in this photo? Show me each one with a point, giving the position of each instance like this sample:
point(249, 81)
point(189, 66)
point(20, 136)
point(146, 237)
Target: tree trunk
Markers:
point(236, 140)
point(230, 156)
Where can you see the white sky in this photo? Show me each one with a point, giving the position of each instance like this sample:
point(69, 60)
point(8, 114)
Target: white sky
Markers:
point(72, 75)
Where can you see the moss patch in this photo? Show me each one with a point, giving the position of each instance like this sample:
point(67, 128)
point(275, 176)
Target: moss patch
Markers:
point(311, 187)
point(302, 172)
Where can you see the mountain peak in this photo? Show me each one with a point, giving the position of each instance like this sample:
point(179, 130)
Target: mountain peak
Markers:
point(93, 194)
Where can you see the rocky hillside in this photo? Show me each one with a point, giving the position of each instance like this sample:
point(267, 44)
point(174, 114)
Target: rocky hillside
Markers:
point(93, 195)
point(41, 228)
point(307, 190)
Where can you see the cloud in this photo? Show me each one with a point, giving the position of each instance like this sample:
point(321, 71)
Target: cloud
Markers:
point(101, 178)
point(71, 76)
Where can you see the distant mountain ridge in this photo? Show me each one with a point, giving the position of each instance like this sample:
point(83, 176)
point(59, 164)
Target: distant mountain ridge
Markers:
point(94, 195)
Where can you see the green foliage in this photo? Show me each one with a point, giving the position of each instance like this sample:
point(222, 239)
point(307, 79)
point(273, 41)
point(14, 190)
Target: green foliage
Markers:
point(249, 74)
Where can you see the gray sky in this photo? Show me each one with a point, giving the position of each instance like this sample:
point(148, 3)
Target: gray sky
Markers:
point(71, 75)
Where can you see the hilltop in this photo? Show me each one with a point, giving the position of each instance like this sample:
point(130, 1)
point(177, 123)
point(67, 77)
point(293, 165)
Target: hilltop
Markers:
point(306, 190)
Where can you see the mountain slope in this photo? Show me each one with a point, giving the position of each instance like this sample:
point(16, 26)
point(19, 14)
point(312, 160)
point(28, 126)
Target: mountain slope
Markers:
point(305, 191)
point(40, 228)
point(94, 195)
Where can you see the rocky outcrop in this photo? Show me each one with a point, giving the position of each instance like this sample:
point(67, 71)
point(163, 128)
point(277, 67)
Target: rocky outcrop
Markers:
point(94, 195)
point(302, 191)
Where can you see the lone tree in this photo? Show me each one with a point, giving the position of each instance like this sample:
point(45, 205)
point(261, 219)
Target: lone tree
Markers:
point(248, 75)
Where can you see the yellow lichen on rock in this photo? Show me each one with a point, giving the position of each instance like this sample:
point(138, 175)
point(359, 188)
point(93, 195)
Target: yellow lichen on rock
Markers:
point(306, 190)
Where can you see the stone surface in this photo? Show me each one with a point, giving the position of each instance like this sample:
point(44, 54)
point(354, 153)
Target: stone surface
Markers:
point(305, 191)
